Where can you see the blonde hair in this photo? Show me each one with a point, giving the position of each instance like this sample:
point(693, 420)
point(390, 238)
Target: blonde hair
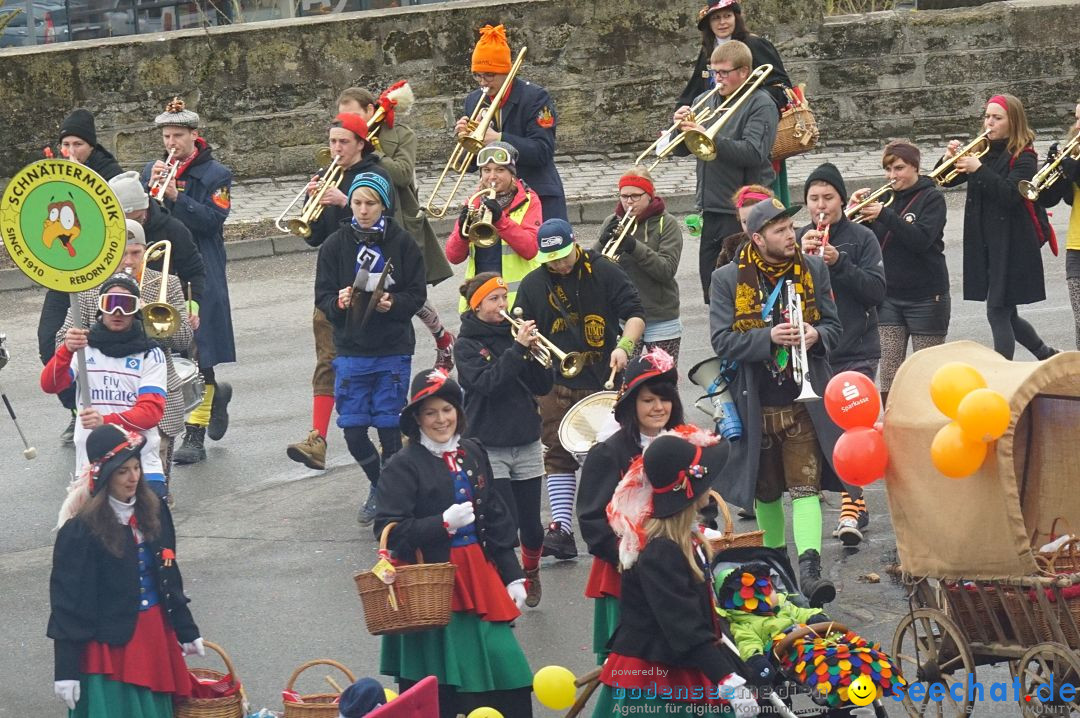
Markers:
point(368, 193)
point(735, 52)
point(639, 171)
point(1020, 133)
point(680, 528)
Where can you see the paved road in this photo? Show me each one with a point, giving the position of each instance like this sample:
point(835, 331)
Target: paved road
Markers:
point(269, 548)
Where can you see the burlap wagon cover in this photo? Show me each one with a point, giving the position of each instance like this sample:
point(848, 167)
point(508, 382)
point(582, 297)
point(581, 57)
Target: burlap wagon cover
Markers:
point(981, 526)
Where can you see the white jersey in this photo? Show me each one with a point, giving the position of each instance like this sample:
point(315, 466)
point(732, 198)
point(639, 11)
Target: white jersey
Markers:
point(116, 383)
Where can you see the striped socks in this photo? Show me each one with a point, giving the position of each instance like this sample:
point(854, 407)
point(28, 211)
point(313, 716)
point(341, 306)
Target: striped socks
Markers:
point(561, 490)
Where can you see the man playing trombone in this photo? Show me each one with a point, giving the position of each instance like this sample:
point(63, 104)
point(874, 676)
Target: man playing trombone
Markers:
point(578, 300)
point(776, 357)
point(742, 147)
point(526, 119)
point(496, 230)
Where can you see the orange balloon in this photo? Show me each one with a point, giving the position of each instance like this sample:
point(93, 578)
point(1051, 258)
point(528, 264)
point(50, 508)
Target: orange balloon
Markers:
point(984, 415)
point(954, 454)
point(951, 383)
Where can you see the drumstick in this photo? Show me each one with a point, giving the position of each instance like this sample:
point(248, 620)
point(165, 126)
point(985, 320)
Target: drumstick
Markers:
point(333, 684)
point(29, 452)
point(610, 383)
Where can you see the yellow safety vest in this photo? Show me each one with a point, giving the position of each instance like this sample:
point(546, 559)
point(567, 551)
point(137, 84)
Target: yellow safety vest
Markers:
point(514, 266)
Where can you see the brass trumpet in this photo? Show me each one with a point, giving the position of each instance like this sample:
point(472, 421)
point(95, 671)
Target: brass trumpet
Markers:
point(627, 225)
point(470, 143)
point(478, 227)
point(852, 212)
point(157, 187)
point(544, 350)
point(312, 208)
point(946, 172)
point(1050, 172)
point(160, 319)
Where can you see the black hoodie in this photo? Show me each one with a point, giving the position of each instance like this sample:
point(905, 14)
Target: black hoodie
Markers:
point(500, 382)
point(911, 231)
point(185, 262)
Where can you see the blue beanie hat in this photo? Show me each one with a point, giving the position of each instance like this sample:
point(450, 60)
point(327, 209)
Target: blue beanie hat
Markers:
point(361, 698)
point(375, 182)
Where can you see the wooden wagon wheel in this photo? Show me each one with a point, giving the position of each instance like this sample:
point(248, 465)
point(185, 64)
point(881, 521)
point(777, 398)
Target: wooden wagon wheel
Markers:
point(1042, 663)
point(929, 648)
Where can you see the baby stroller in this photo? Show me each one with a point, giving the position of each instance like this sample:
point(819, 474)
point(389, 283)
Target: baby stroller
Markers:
point(786, 694)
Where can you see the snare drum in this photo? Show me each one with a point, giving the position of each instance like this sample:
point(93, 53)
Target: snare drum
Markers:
point(192, 386)
point(585, 420)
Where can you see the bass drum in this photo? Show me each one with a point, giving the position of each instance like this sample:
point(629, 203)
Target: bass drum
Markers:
point(585, 420)
point(192, 386)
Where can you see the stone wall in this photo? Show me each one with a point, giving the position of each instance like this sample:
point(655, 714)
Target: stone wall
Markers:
point(265, 90)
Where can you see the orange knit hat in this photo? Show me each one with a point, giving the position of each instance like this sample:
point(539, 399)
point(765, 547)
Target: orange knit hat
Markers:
point(492, 53)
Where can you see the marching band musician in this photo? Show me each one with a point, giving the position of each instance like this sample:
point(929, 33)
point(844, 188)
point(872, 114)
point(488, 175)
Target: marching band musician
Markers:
point(853, 256)
point(1002, 231)
point(1068, 188)
point(743, 146)
point(373, 343)
point(515, 214)
point(198, 195)
point(150, 289)
point(650, 257)
point(578, 299)
point(526, 119)
point(396, 147)
point(348, 140)
point(748, 325)
point(501, 384)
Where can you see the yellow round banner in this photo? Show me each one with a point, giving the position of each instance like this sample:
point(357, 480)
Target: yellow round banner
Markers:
point(62, 225)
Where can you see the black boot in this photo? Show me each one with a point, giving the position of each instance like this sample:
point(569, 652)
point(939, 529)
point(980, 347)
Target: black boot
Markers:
point(219, 411)
point(192, 450)
point(818, 591)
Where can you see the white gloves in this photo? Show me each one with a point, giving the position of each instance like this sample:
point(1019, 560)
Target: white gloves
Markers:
point(68, 692)
point(516, 589)
point(190, 649)
point(458, 516)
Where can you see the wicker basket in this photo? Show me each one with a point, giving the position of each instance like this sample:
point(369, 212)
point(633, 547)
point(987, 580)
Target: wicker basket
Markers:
point(796, 134)
point(1065, 559)
point(730, 539)
point(224, 707)
point(423, 592)
point(315, 705)
point(973, 614)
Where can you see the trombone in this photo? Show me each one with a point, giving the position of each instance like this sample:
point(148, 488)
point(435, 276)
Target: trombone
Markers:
point(703, 143)
point(627, 225)
point(544, 350)
point(470, 143)
point(157, 187)
point(946, 172)
point(852, 212)
point(1050, 172)
point(401, 98)
point(160, 319)
point(800, 365)
point(312, 208)
point(478, 227)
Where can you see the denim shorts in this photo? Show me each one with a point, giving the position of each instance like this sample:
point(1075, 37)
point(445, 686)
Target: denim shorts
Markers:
point(929, 316)
point(517, 463)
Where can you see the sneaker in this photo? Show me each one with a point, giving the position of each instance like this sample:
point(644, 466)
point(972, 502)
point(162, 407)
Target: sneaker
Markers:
point(847, 530)
point(366, 515)
point(849, 509)
point(311, 452)
point(67, 436)
point(219, 411)
point(532, 588)
point(747, 513)
point(864, 515)
point(444, 351)
point(559, 543)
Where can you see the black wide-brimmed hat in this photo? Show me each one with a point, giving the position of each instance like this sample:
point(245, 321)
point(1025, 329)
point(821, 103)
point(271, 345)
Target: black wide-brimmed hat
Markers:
point(680, 471)
point(716, 6)
point(107, 448)
point(426, 384)
point(653, 364)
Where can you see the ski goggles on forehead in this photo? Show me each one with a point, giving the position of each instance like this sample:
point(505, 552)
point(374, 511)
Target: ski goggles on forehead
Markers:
point(126, 304)
point(498, 155)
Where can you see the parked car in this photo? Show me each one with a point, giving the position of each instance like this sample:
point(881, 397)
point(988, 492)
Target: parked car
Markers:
point(50, 23)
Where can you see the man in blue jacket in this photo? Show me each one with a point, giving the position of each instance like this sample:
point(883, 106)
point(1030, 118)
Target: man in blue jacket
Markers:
point(526, 119)
point(198, 196)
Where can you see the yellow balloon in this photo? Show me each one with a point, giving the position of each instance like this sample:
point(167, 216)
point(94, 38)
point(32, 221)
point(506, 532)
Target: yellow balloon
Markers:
point(554, 687)
point(951, 383)
point(390, 695)
point(484, 712)
point(954, 454)
point(984, 415)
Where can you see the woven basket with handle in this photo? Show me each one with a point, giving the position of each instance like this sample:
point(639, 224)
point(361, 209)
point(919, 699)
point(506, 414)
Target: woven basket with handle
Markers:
point(1065, 559)
point(315, 705)
point(797, 131)
point(422, 595)
point(730, 539)
point(224, 707)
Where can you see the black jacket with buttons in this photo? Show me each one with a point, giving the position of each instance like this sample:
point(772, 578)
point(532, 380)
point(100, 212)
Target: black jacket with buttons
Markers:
point(414, 490)
point(94, 595)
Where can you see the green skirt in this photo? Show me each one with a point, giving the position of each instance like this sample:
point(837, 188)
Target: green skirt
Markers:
point(605, 618)
point(780, 185)
point(102, 698)
point(470, 654)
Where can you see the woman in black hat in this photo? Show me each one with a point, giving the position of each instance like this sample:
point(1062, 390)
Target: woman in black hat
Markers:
point(666, 643)
point(440, 493)
point(120, 623)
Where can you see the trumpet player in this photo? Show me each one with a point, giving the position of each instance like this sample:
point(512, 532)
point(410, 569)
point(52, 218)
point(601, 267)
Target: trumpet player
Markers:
point(743, 147)
point(198, 195)
point(748, 325)
point(578, 300)
point(527, 119)
point(649, 253)
point(501, 382)
point(1002, 231)
point(1067, 187)
point(515, 213)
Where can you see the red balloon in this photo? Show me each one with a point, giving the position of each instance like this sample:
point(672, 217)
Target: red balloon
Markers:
point(852, 400)
point(860, 456)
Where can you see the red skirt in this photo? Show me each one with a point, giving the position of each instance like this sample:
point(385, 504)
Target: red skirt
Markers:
point(477, 586)
point(151, 659)
point(604, 580)
point(666, 682)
